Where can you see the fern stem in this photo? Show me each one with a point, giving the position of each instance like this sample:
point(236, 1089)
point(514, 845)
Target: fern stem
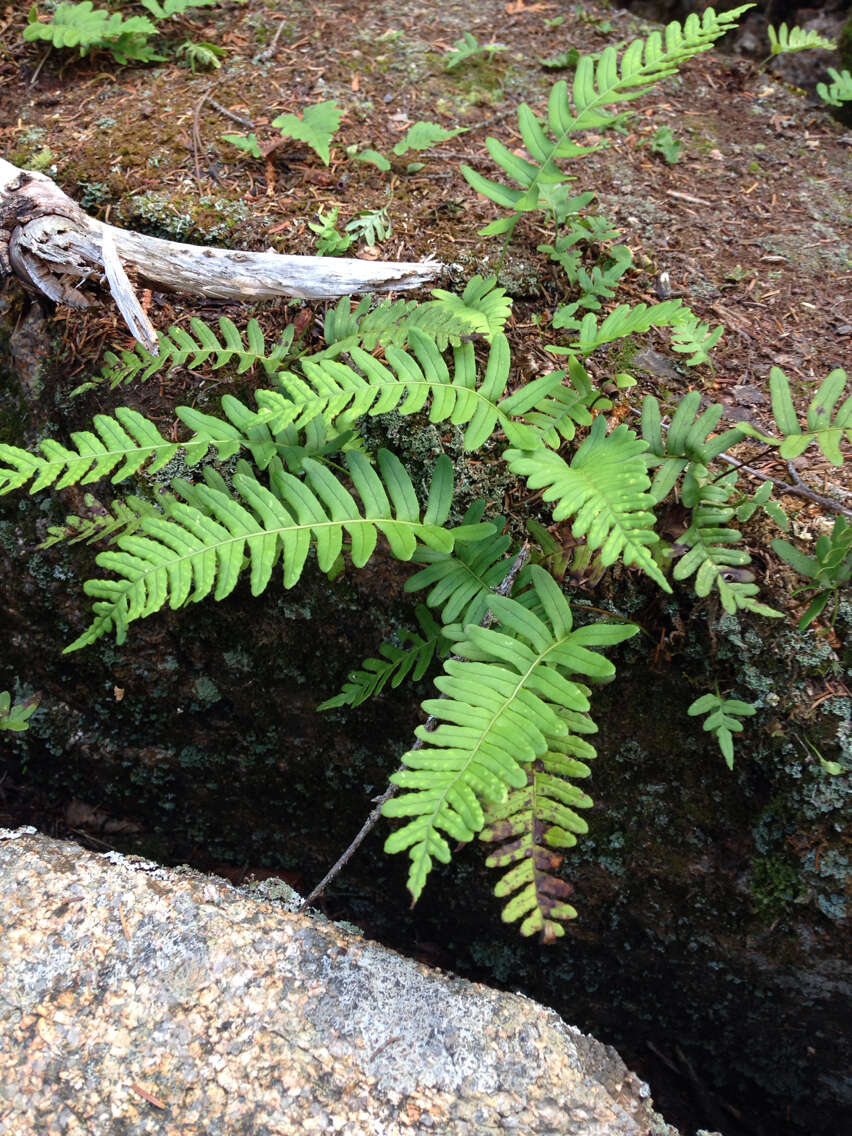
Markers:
point(504, 588)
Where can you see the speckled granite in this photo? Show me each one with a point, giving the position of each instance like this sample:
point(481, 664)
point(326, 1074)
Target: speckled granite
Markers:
point(136, 999)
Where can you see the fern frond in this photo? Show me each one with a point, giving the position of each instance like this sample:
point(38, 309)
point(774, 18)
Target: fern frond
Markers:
point(409, 657)
point(119, 445)
point(785, 41)
point(123, 516)
point(462, 582)
point(529, 826)
point(839, 90)
point(16, 716)
point(201, 544)
point(712, 556)
point(605, 489)
point(723, 719)
point(687, 440)
point(555, 409)
point(598, 83)
point(826, 431)
point(317, 126)
point(506, 697)
point(89, 29)
point(482, 309)
point(405, 382)
point(177, 348)
point(830, 568)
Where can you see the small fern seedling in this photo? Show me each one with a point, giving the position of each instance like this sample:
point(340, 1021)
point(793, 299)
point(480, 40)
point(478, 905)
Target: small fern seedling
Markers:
point(785, 41)
point(467, 48)
point(316, 127)
point(723, 720)
point(16, 716)
point(839, 90)
point(830, 568)
point(90, 29)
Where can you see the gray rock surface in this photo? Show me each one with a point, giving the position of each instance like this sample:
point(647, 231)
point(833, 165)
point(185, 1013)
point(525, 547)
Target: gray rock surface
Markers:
point(138, 999)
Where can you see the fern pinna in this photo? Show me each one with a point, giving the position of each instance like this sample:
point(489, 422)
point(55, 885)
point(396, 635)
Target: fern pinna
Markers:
point(509, 699)
point(598, 84)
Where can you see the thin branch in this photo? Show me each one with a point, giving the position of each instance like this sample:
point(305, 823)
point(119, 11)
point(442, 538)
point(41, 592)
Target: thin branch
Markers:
point(504, 588)
point(798, 488)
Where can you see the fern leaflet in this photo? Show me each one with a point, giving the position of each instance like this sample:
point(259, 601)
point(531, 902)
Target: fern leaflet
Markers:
point(710, 554)
point(597, 85)
point(410, 657)
point(723, 719)
point(463, 581)
point(506, 696)
point(529, 826)
point(201, 544)
point(605, 489)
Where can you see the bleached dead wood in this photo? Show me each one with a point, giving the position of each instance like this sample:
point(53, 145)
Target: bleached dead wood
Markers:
point(52, 246)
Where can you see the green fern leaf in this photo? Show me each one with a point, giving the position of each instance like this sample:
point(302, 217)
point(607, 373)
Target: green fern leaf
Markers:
point(409, 657)
point(101, 524)
point(839, 90)
point(462, 582)
point(506, 696)
point(317, 127)
point(554, 409)
point(687, 441)
point(785, 41)
point(529, 826)
point(177, 348)
point(723, 719)
point(16, 716)
point(89, 29)
point(711, 553)
point(199, 545)
point(482, 304)
point(597, 85)
point(605, 489)
point(119, 446)
point(827, 431)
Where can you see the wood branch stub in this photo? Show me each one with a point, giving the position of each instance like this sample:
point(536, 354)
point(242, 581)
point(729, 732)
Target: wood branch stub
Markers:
point(46, 238)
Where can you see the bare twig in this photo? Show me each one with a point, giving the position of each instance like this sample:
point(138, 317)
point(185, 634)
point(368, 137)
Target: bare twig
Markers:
point(798, 488)
point(238, 118)
point(504, 588)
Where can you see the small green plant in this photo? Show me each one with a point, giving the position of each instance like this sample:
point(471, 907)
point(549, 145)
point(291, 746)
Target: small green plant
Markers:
point(420, 136)
point(839, 90)
point(202, 56)
point(372, 226)
point(785, 42)
point(329, 240)
point(316, 127)
point(829, 569)
point(665, 143)
point(90, 29)
point(723, 719)
point(467, 48)
point(16, 716)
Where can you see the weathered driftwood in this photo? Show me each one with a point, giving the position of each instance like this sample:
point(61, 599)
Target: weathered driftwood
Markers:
point(51, 245)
